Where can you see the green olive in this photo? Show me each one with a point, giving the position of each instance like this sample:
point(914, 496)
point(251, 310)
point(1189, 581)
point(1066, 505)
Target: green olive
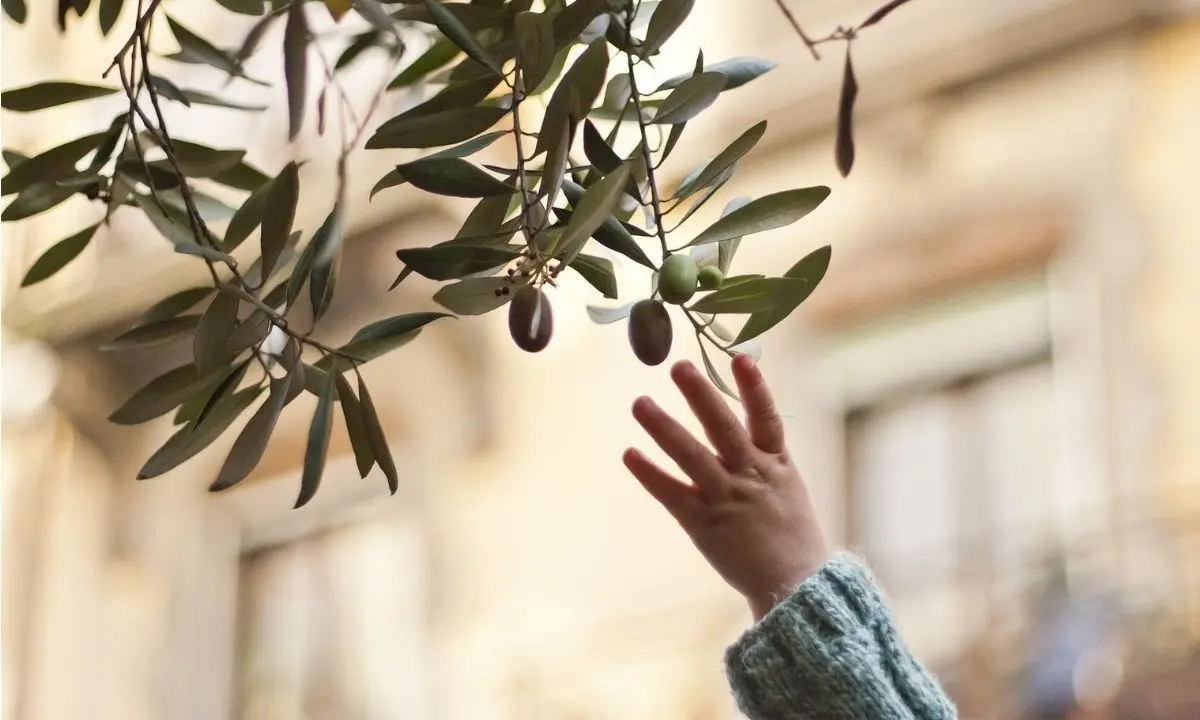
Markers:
point(677, 279)
point(711, 277)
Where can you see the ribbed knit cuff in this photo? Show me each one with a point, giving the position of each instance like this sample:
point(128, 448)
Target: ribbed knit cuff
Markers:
point(831, 652)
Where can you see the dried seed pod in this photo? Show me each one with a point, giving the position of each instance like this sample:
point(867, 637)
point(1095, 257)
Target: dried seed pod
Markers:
point(650, 332)
point(530, 321)
point(677, 279)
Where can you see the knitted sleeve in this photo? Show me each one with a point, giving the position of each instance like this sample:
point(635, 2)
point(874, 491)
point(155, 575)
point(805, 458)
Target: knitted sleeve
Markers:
point(831, 652)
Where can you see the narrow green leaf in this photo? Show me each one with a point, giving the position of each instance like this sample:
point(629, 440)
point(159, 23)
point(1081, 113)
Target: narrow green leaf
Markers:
point(204, 251)
point(300, 273)
point(475, 296)
point(453, 177)
point(171, 223)
point(189, 97)
point(318, 445)
point(295, 67)
point(574, 18)
point(193, 438)
point(16, 10)
point(612, 235)
point(810, 270)
point(279, 212)
point(248, 333)
point(322, 284)
point(51, 94)
point(437, 56)
point(724, 160)
point(356, 426)
point(692, 97)
point(202, 161)
point(251, 443)
point(726, 249)
point(598, 272)
point(765, 213)
point(58, 255)
point(55, 164)
point(577, 91)
point(154, 333)
point(440, 128)
point(882, 12)
point(176, 303)
point(386, 335)
point(535, 47)
point(750, 296)
point(258, 31)
point(374, 13)
point(453, 28)
point(227, 386)
point(160, 396)
point(667, 17)
point(214, 327)
point(243, 177)
point(594, 208)
point(451, 262)
point(243, 7)
point(196, 50)
point(713, 375)
point(110, 10)
point(598, 152)
point(608, 315)
point(394, 178)
point(379, 444)
point(246, 218)
point(35, 200)
point(737, 71)
point(360, 44)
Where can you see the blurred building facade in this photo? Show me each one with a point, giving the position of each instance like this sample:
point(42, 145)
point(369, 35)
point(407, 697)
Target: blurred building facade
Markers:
point(993, 395)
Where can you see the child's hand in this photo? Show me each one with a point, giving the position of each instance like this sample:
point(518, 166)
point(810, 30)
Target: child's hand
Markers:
point(747, 509)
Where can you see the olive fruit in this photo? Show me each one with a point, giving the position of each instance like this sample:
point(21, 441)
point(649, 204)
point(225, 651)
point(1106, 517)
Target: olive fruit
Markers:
point(710, 277)
point(529, 319)
point(650, 331)
point(677, 279)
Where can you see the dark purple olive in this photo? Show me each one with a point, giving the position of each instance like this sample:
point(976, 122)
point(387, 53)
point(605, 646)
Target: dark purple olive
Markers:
point(650, 332)
point(530, 321)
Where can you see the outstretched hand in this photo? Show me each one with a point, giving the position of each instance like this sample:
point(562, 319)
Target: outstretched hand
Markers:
point(746, 508)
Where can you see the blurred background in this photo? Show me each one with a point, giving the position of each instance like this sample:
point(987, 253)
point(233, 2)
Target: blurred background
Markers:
point(994, 395)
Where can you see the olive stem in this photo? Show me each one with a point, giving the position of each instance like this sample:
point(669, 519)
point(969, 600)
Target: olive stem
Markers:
point(635, 95)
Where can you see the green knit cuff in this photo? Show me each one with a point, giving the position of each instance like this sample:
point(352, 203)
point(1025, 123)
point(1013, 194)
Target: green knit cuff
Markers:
point(830, 651)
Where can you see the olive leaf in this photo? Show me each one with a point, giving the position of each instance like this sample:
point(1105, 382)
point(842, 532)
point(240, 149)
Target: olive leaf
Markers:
point(715, 376)
point(594, 207)
point(51, 94)
point(750, 296)
point(154, 333)
point(169, 221)
point(726, 249)
point(608, 315)
point(160, 395)
point(356, 426)
point(724, 160)
point(845, 119)
point(667, 17)
point(574, 18)
point(220, 391)
point(597, 150)
point(194, 437)
point(326, 260)
point(454, 29)
point(692, 97)
point(16, 10)
point(439, 128)
point(737, 71)
point(206, 252)
point(612, 235)
point(881, 13)
point(247, 217)
point(110, 10)
point(244, 7)
point(535, 47)
point(598, 272)
point(384, 336)
point(438, 55)
point(811, 270)
point(258, 31)
point(35, 200)
point(196, 50)
point(212, 331)
point(57, 163)
point(379, 444)
point(474, 145)
point(765, 213)
point(453, 177)
point(450, 262)
point(475, 296)
point(576, 92)
point(295, 66)
point(251, 443)
point(317, 450)
point(279, 212)
point(173, 305)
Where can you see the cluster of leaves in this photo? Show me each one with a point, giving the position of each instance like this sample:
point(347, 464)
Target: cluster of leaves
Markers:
point(564, 83)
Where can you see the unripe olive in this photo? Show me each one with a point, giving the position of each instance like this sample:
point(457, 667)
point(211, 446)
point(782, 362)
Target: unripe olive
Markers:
point(529, 319)
point(650, 331)
point(677, 279)
point(710, 277)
